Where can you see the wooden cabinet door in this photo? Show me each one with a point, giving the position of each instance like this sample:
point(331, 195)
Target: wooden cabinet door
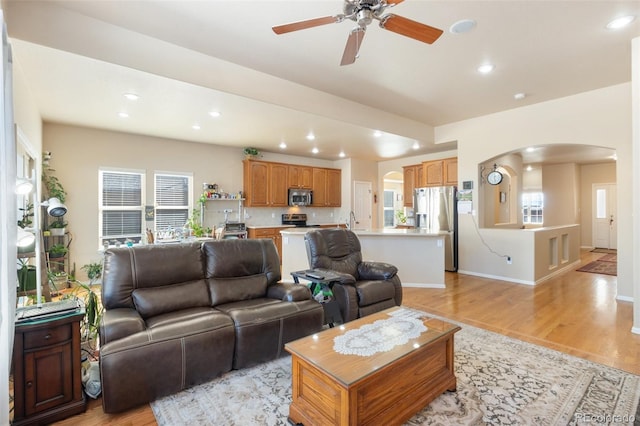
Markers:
point(278, 191)
point(48, 378)
point(451, 171)
point(300, 177)
point(256, 175)
point(420, 179)
point(319, 187)
point(334, 188)
point(409, 175)
point(433, 173)
point(273, 233)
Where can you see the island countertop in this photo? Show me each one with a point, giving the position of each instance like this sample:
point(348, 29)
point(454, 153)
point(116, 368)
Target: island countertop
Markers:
point(418, 255)
point(374, 232)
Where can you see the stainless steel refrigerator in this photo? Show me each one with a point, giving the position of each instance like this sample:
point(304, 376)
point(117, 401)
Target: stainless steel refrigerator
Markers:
point(435, 210)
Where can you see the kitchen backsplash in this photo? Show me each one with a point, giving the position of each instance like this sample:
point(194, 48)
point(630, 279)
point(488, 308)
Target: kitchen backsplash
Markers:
point(261, 216)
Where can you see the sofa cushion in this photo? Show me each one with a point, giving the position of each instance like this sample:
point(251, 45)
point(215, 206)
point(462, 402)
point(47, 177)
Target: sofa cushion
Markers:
point(226, 290)
point(154, 301)
point(242, 258)
point(129, 268)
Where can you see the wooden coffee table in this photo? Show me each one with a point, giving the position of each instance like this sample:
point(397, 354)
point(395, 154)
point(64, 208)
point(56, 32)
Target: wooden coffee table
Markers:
point(387, 387)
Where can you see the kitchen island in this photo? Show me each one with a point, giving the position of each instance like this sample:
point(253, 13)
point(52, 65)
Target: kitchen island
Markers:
point(418, 255)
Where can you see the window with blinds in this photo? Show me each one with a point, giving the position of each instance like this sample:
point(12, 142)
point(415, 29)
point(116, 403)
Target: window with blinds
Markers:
point(120, 206)
point(172, 201)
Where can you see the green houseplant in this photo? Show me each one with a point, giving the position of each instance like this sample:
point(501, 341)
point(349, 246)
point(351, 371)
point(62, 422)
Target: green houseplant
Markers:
point(250, 152)
point(57, 251)
point(50, 181)
point(57, 227)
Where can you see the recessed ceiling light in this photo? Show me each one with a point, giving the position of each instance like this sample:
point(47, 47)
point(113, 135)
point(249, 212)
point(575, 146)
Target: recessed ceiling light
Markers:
point(530, 149)
point(196, 127)
point(315, 150)
point(620, 22)
point(463, 26)
point(377, 134)
point(486, 68)
point(123, 114)
point(342, 154)
point(416, 145)
point(282, 145)
point(311, 136)
point(519, 96)
point(214, 114)
point(131, 96)
point(529, 168)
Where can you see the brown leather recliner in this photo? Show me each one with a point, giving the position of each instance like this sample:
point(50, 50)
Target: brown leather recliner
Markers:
point(180, 314)
point(365, 287)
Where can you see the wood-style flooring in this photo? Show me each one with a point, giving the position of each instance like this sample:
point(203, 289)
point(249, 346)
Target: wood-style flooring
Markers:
point(575, 312)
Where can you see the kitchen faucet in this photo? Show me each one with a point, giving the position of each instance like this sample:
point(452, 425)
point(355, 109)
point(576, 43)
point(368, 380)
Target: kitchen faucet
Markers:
point(352, 219)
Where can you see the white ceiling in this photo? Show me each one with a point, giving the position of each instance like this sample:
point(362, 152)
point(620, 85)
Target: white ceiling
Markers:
point(187, 58)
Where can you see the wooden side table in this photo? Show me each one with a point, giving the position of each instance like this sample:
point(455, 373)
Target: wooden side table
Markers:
point(47, 370)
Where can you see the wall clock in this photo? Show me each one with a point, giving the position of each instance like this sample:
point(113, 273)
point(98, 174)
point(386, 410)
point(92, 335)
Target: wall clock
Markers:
point(494, 178)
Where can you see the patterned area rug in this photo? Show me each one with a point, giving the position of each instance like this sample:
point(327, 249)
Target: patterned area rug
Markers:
point(501, 381)
point(601, 266)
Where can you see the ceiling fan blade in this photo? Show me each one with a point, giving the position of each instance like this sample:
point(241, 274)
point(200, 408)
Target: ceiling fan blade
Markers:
point(409, 28)
point(353, 46)
point(309, 23)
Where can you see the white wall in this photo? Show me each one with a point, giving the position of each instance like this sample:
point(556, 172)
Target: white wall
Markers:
point(600, 117)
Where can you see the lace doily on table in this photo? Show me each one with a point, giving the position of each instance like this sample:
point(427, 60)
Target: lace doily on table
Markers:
point(380, 336)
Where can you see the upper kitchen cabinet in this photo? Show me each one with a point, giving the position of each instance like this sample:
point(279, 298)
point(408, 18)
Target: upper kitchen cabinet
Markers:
point(413, 178)
point(265, 184)
point(441, 172)
point(450, 172)
point(300, 176)
point(327, 187)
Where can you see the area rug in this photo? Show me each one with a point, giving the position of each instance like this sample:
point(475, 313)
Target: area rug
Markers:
point(604, 250)
point(600, 267)
point(608, 258)
point(501, 381)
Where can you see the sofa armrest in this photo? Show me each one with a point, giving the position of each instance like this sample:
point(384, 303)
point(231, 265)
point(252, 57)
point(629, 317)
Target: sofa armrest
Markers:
point(119, 323)
point(376, 271)
point(343, 278)
point(288, 292)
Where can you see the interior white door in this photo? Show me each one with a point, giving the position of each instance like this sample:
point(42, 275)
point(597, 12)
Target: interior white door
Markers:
point(605, 227)
point(362, 205)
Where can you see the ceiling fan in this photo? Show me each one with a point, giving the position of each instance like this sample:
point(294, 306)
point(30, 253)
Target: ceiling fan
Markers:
point(363, 12)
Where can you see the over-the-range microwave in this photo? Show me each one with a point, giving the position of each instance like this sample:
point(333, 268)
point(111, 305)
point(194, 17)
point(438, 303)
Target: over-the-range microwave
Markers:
point(300, 197)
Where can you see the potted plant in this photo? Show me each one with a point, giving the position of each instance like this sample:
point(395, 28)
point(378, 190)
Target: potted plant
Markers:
point(57, 251)
point(94, 271)
point(51, 182)
point(26, 276)
point(250, 152)
point(57, 227)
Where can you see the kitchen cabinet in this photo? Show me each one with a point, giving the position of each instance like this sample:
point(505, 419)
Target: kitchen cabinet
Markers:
point(413, 177)
point(300, 176)
point(273, 233)
point(327, 187)
point(433, 173)
point(265, 184)
point(441, 172)
point(450, 171)
point(47, 370)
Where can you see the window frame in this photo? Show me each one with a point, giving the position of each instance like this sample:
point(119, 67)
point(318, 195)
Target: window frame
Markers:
point(102, 208)
point(189, 206)
point(528, 200)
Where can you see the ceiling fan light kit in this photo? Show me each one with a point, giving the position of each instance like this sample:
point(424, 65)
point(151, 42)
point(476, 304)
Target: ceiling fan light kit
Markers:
point(363, 12)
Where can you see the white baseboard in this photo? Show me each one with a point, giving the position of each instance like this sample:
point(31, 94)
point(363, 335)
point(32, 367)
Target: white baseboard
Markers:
point(422, 285)
point(496, 277)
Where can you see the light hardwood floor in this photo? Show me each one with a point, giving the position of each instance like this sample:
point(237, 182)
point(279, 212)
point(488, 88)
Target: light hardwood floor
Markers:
point(575, 312)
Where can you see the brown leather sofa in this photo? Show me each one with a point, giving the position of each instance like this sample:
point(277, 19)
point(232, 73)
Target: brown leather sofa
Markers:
point(364, 287)
point(181, 314)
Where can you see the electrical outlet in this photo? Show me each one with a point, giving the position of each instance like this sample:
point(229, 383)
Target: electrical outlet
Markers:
point(273, 215)
point(509, 261)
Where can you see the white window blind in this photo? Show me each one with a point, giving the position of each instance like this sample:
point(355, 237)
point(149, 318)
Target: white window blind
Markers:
point(121, 209)
point(172, 201)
